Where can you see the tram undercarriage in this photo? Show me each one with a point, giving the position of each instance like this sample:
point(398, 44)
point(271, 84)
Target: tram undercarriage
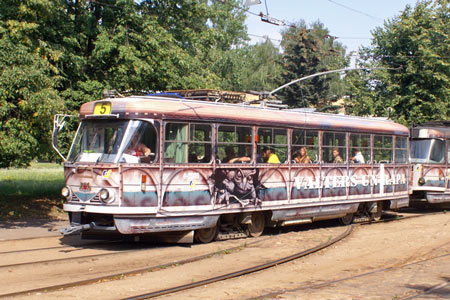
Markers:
point(206, 228)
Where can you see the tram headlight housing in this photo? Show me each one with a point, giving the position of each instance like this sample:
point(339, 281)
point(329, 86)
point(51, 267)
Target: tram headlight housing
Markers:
point(421, 181)
point(104, 195)
point(65, 192)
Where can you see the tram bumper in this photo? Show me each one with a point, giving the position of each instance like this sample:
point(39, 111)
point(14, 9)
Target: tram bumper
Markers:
point(76, 228)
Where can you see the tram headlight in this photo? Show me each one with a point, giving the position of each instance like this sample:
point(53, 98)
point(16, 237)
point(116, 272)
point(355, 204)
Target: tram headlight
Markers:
point(65, 192)
point(104, 195)
point(421, 181)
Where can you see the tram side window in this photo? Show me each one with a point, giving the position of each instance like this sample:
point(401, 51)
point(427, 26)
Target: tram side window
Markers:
point(382, 148)
point(448, 151)
point(401, 149)
point(308, 139)
point(234, 144)
point(437, 152)
point(334, 141)
point(273, 145)
point(187, 143)
point(360, 148)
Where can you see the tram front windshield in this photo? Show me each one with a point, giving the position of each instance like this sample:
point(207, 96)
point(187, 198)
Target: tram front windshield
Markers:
point(127, 141)
point(427, 151)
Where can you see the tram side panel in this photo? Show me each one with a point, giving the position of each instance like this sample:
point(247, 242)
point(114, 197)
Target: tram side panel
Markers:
point(183, 202)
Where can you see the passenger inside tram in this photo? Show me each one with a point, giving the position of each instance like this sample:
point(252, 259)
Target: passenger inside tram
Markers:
point(231, 156)
point(358, 157)
point(301, 156)
point(337, 159)
point(192, 158)
point(136, 148)
point(269, 156)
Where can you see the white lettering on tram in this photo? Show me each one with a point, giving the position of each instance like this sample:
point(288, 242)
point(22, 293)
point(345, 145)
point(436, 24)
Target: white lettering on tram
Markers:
point(348, 181)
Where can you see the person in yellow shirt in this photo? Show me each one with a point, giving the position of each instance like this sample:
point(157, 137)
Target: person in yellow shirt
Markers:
point(270, 157)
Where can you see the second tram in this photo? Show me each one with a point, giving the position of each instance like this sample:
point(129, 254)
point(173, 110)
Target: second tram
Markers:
point(430, 159)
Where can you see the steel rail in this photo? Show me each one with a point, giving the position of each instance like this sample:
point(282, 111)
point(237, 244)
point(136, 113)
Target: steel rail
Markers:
point(324, 284)
point(152, 268)
point(430, 290)
point(244, 271)
point(68, 259)
point(328, 283)
point(126, 273)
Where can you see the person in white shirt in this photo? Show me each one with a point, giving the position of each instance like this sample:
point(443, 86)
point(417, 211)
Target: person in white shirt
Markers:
point(358, 157)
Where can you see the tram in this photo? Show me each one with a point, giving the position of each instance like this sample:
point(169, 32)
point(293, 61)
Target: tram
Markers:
point(143, 165)
point(430, 158)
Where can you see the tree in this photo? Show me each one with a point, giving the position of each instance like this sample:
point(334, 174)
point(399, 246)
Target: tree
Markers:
point(58, 54)
point(414, 49)
point(308, 51)
point(28, 82)
point(263, 69)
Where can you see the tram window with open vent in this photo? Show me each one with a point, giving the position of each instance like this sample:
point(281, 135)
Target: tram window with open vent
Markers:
point(187, 143)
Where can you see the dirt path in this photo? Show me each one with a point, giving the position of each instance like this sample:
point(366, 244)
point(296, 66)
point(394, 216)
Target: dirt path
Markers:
point(390, 261)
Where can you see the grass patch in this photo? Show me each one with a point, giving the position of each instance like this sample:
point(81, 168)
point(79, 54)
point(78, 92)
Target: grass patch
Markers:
point(39, 180)
point(30, 192)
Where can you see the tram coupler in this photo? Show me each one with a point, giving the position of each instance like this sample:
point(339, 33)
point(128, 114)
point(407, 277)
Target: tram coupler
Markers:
point(75, 229)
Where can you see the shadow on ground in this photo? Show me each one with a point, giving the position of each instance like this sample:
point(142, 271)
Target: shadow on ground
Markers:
point(22, 211)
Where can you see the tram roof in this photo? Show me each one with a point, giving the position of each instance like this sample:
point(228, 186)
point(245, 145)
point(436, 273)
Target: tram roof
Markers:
point(181, 109)
point(434, 129)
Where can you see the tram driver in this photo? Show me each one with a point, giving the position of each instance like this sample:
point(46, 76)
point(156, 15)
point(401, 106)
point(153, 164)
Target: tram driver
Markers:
point(137, 148)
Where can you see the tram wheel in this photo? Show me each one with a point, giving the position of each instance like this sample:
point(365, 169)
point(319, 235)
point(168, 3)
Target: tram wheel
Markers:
point(206, 235)
point(376, 216)
point(256, 228)
point(347, 219)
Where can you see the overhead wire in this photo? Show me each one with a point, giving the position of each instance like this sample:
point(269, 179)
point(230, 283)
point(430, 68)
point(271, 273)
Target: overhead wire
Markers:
point(288, 24)
point(355, 10)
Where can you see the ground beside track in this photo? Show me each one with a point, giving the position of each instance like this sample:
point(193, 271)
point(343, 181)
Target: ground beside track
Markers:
point(400, 244)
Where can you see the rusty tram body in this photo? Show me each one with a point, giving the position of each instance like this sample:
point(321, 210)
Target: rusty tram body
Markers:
point(143, 165)
point(430, 159)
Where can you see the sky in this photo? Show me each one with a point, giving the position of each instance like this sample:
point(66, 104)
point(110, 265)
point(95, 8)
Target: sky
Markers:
point(349, 20)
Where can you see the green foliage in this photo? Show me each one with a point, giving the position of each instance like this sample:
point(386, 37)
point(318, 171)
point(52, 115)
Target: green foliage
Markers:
point(309, 50)
point(28, 83)
point(262, 69)
point(58, 54)
point(414, 49)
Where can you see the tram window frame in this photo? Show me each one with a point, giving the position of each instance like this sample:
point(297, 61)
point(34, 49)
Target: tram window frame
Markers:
point(306, 138)
point(434, 152)
point(236, 137)
point(401, 150)
point(338, 140)
point(448, 150)
point(383, 146)
point(363, 143)
point(148, 136)
point(190, 143)
point(270, 138)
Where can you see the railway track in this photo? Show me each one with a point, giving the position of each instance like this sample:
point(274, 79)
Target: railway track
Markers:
point(381, 270)
point(430, 290)
point(155, 267)
point(245, 271)
point(263, 266)
point(115, 275)
point(42, 243)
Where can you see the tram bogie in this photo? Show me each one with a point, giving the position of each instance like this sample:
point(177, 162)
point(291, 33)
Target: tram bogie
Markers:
point(149, 165)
